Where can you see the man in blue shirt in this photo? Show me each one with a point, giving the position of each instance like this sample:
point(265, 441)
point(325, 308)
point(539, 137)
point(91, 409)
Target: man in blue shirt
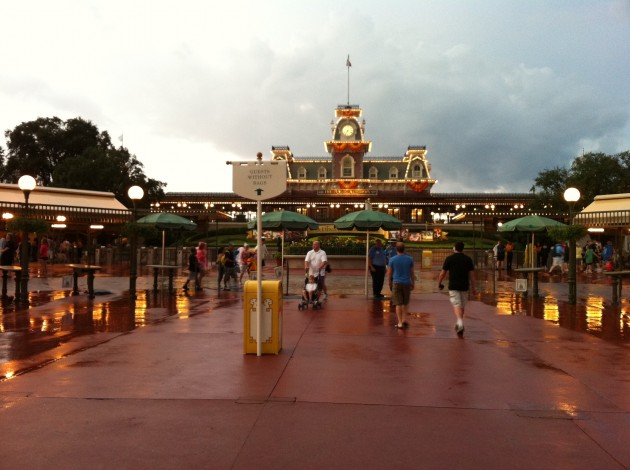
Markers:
point(390, 251)
point(401, 282)
point(377, 263)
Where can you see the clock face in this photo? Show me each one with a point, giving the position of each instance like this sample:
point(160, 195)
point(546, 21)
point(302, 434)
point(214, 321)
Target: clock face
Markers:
point(347, 130)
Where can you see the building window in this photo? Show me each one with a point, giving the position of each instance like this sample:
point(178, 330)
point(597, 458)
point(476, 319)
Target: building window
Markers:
point(393, 173)
point(347, 167)
point(416, 172)
point(322, 173)
point(373, 173)
point(301, 173)
point(416, 216)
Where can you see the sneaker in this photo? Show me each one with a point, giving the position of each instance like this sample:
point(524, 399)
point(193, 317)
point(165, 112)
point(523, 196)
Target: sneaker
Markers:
point(459, 329)
point(399, 327)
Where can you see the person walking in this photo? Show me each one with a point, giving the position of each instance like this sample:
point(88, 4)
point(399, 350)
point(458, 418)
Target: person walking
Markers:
point(557, 258)
point(401, 282)
point(243, 260)
point(7, 256)
point(202, 259)
point(230, 267)
point(43, 257)
point(377, 262)
point(509, 255)
point(499, 255)
point(262, 251)
point(193, 269)
point(315, 264)
point(390, 251)
point(461, 278)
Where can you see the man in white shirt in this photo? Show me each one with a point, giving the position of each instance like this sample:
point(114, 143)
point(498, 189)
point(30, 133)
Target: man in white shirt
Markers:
point(315, 265)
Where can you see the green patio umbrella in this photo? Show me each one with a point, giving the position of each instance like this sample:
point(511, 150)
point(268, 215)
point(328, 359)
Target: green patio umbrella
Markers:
point(284, 220)
point(367, 220)
point(166, 221)
point(530, 223)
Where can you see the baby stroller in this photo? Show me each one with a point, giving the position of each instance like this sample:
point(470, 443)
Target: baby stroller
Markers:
point(314, 301)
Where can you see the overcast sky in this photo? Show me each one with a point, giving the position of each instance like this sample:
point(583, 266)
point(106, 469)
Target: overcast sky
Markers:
point(497, 90)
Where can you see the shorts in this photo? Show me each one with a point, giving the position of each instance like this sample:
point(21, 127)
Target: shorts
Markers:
point(557, 262)
point(458, 297)
point(192, 275)
point(401, 293)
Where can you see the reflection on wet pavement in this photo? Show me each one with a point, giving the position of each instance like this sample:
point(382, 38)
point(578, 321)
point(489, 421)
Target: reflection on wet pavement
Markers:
point(50, 330)
point(27, 333)
point(594, 315)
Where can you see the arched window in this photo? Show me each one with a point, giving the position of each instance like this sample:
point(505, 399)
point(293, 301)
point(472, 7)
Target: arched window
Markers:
point(393, 173)
point(301, 173)
point(416, 171)
point(322, 173)
point(373, 173)
point(347, 167)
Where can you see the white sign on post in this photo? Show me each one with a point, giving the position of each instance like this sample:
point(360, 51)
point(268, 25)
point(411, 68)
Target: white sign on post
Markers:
point(259, 180)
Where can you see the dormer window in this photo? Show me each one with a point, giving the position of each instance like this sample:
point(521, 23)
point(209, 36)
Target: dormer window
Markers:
point(373, 174)
point(301, 173)
point(322, 173)
point(393, 173)
point(416, 171)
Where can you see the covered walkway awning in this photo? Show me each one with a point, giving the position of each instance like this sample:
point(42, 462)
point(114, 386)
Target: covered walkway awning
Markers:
point(610, 210)
point(78, 206)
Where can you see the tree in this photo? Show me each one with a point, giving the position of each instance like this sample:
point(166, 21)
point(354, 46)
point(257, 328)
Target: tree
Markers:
point(548, 187)
point(598, 173)
point(591, 173)
point(74, 154)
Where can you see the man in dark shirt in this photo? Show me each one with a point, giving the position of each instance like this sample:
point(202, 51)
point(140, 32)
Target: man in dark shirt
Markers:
point(229, 263)
point(461, 277)
point(8, 252)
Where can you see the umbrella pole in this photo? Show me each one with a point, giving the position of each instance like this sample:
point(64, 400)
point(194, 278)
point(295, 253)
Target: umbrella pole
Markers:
point(163, 245)
point(367, 266)
point(282, 254)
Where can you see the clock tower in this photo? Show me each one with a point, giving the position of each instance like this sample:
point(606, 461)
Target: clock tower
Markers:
point(347, 147)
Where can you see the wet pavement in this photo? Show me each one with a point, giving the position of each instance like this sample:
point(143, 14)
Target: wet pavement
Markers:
point(162, 382)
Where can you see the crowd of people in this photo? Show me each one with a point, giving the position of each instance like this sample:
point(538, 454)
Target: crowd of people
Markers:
point(591, 256)
point(236, 264)
point(45, 251)
point(392, 264)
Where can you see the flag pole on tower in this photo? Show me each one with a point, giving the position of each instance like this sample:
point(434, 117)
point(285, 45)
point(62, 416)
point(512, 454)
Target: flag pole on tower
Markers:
point(348, 64)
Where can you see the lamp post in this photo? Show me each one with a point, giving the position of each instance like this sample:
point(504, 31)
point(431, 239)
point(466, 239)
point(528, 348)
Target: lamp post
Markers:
point(26, 183)
point(572, 195)
point(135, 194)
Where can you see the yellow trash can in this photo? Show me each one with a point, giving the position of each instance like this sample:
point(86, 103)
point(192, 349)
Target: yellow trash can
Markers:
point(427, 259)
point(271, 317)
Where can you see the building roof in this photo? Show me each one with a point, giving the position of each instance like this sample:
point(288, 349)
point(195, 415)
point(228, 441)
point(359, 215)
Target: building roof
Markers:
point(606, 210)
point(11, 193)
